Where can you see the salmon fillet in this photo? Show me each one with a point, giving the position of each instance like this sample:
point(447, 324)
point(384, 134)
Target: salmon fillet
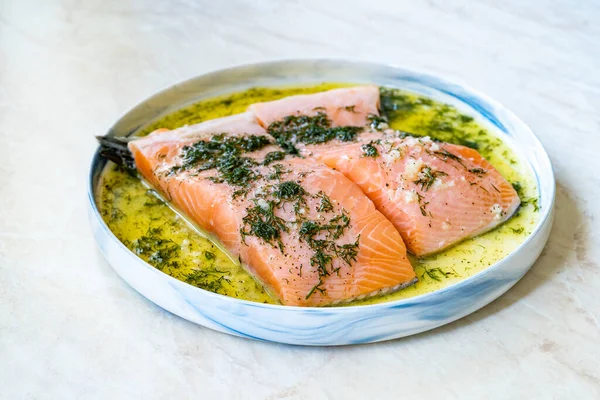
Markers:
point(305, 231)
point(344, 107)
point(435, 194)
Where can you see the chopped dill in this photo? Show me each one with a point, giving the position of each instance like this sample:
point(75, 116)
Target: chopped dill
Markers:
point(273, 156)
point(289, 191)
point(261, 221)
point(422, 208)
point(235, 170)
point(437, 274)
point(223, 153)
point(208, 278)
point(239, 192)
point(157, 251)
point(317, 129)
point(397, 105)
point(427, 177)
point(478, 171)
point(277, 172)
point(533, 201)
point(317, 287)
point(348, 252)
point(369, 150)
point(445, 155)
point(376, 121)
point(206, 153)
point(422, 204)
point(321, 239)
point(518, 188)
point(325, 204)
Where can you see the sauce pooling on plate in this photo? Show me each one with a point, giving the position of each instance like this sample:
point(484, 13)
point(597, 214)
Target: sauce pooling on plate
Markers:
point(158, 235)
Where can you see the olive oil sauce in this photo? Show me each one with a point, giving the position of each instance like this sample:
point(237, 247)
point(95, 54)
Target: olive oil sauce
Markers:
point(157, 234)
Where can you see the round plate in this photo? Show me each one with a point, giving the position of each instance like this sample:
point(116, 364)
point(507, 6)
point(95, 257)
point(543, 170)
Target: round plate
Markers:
point(330, 325)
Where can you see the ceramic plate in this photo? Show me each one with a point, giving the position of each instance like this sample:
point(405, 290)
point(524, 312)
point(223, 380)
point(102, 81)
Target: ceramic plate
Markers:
point(330, 325)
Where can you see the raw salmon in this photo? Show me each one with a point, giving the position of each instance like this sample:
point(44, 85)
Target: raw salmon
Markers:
point(304, 230)
point(344, 107)
point(435, 194)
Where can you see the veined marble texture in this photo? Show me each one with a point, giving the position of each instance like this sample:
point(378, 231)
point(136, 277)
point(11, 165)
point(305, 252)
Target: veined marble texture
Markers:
point(71, 328)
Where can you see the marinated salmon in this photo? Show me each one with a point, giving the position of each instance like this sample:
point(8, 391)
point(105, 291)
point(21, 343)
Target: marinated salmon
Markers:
point(343, 107)
point(317, 197)
point(435, 194)
point(304, 230)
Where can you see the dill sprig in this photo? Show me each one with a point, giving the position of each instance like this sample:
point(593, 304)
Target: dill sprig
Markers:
point(207, 278)
point(261, 221)
point(445, 155)
point(325, 204)
point(427, 177)
point(478, 171)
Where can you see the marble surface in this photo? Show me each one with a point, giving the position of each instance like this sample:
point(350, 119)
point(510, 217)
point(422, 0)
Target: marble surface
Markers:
point(71, 328)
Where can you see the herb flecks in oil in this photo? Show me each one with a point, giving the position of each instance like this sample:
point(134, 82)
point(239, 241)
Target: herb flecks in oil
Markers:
point(156, 250)
point(437, 274)
point(377, 122)
point(208, 278)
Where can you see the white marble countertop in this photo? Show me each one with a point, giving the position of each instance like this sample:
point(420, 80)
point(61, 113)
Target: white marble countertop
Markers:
point(71, 328)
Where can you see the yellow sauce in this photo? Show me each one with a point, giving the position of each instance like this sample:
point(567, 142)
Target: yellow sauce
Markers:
point(158, 235)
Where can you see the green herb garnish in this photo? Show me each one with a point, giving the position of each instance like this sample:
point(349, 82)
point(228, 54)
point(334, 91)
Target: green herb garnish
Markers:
point(289, 191)
point(445, 155)
point(273, 156)
point(369, 150)
point(305, 129)
point(261, 221)
point(206, 153)
point(478, 171)
point(375, 121)
point(157, 251)
point(427, 177)
point(208, 278)
point(325, 205)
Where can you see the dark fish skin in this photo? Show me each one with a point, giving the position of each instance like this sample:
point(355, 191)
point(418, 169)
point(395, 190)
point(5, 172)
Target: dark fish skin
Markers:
point(115, 149)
